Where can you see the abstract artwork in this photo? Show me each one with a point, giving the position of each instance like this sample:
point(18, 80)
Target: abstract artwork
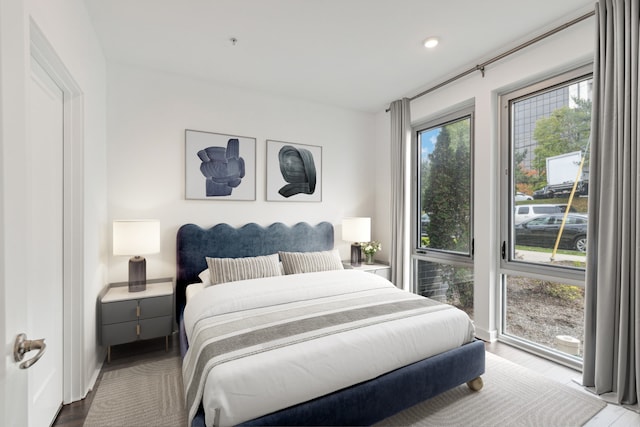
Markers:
point(219, 166)
point(294, 172)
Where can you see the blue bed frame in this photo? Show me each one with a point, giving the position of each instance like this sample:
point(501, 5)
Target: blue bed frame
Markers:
point(362, 404)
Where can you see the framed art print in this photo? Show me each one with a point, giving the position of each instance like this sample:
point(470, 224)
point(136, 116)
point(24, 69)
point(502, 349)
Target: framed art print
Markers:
point(219, 166)
point(294, 172)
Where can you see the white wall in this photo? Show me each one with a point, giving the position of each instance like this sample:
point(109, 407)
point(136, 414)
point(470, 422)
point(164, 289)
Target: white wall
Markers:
point(148, 112)
point(568, 49)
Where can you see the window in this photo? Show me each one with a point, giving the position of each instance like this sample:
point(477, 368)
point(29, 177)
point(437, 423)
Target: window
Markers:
point(545, 131)
point(442, 222)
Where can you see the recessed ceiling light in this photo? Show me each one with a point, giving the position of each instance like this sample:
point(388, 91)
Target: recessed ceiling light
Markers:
point(431, 42)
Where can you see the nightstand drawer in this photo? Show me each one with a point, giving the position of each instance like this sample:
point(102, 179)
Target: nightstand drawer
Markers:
point(156, 327)
point(119, 333)
point(133, 316)
point(156, 307)
point(121, 311)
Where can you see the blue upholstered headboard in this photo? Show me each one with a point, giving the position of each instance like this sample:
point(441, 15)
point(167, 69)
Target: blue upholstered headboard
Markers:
point(224, 241)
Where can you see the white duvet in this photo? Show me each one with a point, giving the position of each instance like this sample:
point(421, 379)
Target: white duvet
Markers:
point(248, 387)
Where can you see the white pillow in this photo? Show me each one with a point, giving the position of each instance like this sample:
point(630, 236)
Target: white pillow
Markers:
point(205, 277)
point(223, 270)
point(310, 262)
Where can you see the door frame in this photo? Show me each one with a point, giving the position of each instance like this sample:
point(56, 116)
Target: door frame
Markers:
point(73, 208)
point(20, 39)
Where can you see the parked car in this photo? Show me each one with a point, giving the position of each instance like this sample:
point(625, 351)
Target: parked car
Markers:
point(563, 208)
point(524, 212)
point(521, 197)
point(542, 231)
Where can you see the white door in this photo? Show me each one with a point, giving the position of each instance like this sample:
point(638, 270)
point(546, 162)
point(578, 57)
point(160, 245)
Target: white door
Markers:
point(44, 278)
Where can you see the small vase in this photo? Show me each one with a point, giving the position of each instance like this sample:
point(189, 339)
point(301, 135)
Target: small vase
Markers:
point(368, 258)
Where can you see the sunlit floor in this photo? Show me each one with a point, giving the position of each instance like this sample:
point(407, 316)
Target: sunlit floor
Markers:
point(612, 415)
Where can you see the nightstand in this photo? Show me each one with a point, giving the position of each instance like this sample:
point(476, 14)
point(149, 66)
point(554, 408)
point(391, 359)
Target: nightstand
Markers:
point(383, 270)
point(132, 316)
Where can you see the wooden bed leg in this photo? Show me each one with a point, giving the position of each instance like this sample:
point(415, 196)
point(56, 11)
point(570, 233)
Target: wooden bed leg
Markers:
point(475, 384)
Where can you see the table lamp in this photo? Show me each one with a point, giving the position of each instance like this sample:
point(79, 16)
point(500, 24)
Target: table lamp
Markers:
point(136, 238)
point(356, 230)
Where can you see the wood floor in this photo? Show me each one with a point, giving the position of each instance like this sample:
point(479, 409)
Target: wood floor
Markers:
point(126, 355)
point(122, 356)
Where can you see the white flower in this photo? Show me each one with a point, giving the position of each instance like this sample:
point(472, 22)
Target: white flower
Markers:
point(370, 248)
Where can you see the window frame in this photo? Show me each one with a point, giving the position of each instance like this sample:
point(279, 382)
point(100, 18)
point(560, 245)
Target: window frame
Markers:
point(508, 266)
point(439, 255)
point(507, 262)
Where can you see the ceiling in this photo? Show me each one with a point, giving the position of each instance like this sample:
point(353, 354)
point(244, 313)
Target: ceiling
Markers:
point(357, 54)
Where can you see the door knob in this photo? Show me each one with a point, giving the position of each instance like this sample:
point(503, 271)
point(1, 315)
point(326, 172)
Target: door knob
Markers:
point(23, 345)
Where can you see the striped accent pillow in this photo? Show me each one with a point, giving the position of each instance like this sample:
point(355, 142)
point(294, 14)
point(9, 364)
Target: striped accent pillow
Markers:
point(309, 262)
point(233, 269)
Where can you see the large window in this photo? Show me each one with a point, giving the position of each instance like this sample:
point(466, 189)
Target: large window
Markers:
point(545, 132)
point(443, 238)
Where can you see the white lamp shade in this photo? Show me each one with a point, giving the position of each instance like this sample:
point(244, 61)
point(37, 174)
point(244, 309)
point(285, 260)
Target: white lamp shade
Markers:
point(356, 229)
point(136, 237)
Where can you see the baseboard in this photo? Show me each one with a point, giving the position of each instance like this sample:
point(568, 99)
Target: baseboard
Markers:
point(485, 335)
point(96, 373)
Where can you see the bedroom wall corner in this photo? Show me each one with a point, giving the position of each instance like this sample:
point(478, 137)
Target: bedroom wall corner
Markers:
point(381, 221)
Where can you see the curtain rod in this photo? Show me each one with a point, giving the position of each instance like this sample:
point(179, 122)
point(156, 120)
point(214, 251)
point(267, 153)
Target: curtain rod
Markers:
point(481, 67)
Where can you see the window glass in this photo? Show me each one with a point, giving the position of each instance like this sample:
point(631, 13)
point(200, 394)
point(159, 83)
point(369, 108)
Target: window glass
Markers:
point(444, 157)
point(545, 312)
point(545, 142)
point(446, 283)
point(549, 144)
point(442, 254)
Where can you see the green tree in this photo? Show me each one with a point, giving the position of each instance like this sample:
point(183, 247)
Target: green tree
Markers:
point(447, 188)
point(564, 131)
point(425, 176)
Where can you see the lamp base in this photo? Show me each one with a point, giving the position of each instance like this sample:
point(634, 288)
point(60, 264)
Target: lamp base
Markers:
point(137, 274)
point(356, 255)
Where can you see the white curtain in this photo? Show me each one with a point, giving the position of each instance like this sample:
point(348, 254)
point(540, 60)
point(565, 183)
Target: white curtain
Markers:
point(400, 144)
point(612, 300)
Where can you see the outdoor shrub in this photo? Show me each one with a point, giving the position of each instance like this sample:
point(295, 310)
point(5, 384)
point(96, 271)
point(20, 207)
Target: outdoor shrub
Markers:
point(460, 286)
point(463, 292)
point(559, 291)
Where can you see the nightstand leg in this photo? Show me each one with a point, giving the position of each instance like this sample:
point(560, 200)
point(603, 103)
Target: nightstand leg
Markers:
point(166, 343)
point(108, 354)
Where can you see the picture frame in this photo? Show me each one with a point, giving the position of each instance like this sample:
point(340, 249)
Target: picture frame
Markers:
point(219, 166)
point(294, 172)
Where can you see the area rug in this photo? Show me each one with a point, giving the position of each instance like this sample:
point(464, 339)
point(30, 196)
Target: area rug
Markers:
point(151, 395)
point(512, 396)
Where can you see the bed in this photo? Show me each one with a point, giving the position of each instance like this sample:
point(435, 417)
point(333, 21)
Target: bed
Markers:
point(338, 393)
